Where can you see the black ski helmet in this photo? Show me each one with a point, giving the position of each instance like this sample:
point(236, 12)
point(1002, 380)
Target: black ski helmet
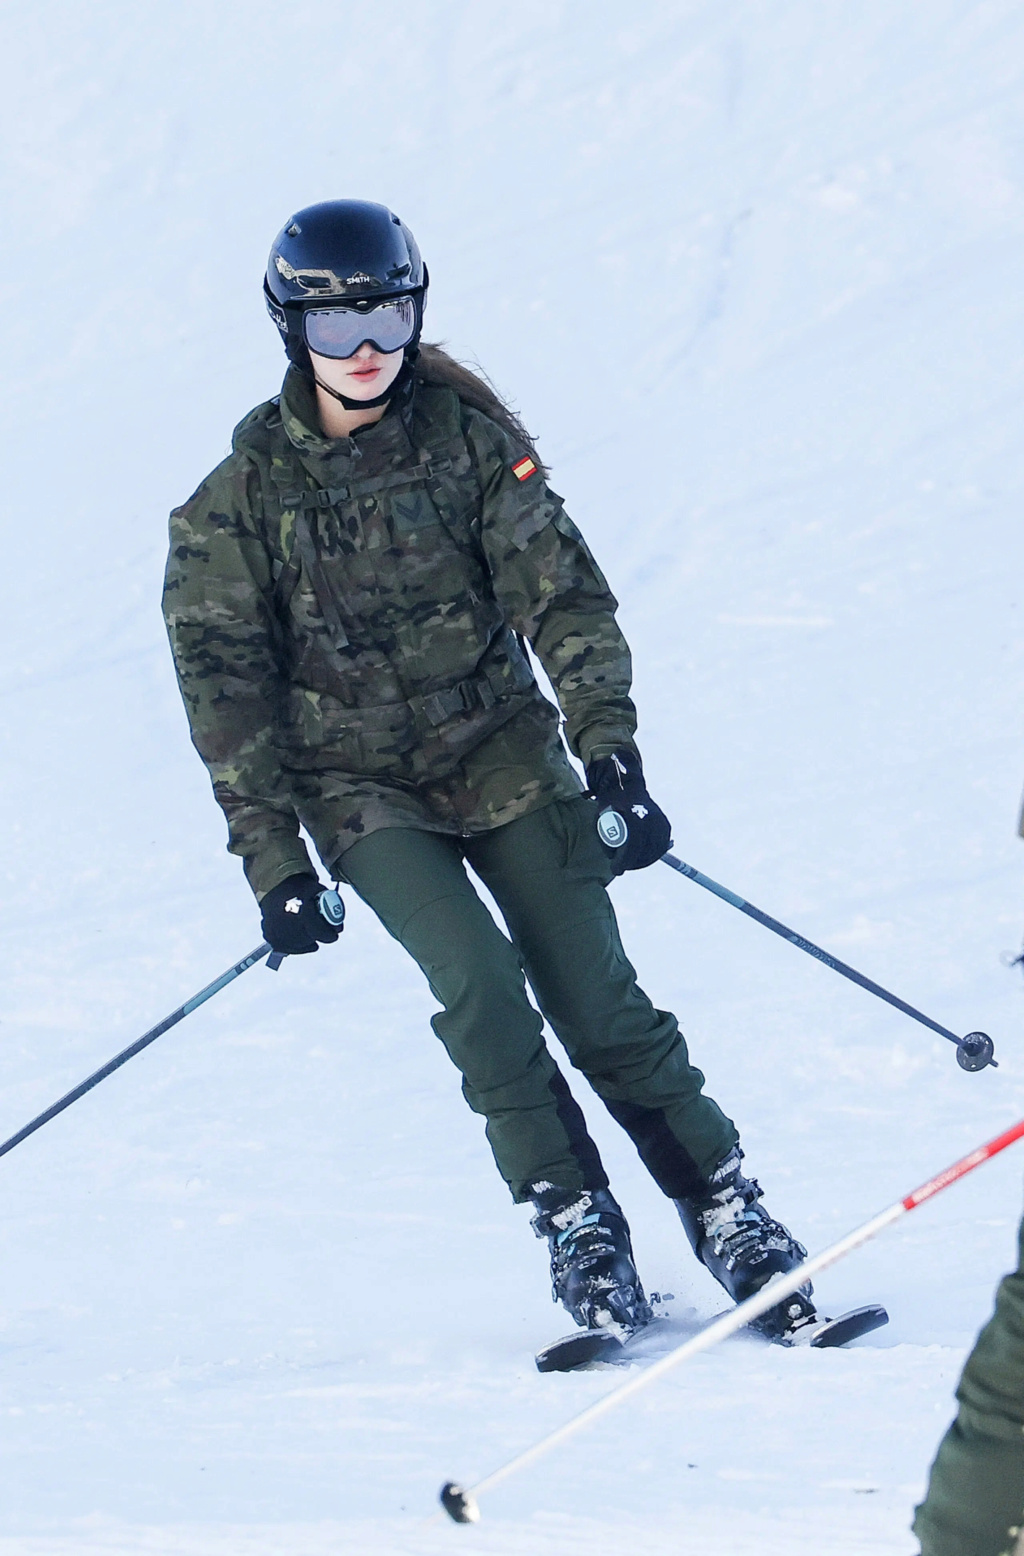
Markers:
point(340, 251)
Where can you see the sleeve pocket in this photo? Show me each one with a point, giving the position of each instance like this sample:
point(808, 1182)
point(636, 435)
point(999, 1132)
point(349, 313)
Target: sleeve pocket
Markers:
point(546, 510)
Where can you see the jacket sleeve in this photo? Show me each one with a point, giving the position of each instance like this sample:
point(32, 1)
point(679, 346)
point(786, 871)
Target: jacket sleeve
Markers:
point(553, 592)
point(218, 595)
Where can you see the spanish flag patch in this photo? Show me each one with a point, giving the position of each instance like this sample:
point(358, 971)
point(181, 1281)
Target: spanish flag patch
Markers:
point(523, 467)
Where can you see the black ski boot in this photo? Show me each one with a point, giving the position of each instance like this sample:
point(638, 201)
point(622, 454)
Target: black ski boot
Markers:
point(743, 1247)
point(592, 1269)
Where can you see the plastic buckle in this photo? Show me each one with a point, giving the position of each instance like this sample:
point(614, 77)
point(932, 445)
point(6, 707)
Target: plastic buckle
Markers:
point(436, 708)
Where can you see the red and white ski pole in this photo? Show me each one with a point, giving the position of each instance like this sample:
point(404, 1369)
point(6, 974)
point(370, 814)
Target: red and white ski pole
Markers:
point(461, 1504)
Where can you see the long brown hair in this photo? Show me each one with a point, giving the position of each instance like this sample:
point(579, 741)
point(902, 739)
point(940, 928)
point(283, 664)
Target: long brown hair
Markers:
point(435, 366)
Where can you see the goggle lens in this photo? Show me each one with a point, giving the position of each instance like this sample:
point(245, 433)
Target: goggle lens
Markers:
point(339, 332)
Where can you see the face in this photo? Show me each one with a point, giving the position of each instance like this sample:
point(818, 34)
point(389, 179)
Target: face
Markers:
point(363, 376)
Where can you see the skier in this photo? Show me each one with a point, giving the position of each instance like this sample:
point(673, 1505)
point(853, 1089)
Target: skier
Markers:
point(975, 1500)
point(348, 598)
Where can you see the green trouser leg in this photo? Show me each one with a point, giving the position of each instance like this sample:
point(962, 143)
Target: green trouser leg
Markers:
point(548, 874)
point(975, 1501)
point(417, 885)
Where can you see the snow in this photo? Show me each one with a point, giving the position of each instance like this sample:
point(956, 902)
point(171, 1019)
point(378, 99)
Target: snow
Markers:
point(751, 272)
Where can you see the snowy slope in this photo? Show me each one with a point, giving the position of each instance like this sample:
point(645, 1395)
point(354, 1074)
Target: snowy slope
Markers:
point(752, 273)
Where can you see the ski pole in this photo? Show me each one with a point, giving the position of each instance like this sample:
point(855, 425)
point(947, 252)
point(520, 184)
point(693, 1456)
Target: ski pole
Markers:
point(973, 1052)
point(333, 910)
point(460, 1503)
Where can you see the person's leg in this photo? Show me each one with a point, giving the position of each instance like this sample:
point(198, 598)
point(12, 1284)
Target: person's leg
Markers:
point(975, 1501)
point(417, 885)
point(548, 873)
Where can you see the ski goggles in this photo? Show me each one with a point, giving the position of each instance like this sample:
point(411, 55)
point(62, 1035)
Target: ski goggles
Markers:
point(339, 332)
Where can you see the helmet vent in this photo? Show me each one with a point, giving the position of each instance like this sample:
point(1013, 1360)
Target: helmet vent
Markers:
point(294, 230)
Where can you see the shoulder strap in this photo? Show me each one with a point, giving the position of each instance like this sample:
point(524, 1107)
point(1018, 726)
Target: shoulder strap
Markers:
point(306, 547)
point(436, 430)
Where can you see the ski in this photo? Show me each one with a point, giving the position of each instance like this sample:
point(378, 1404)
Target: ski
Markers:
point(585, 1348)
point(590, 1347)
point(826, 1333)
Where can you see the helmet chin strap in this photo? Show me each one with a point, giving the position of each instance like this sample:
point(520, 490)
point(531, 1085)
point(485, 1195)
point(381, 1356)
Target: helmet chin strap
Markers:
point(378, 399)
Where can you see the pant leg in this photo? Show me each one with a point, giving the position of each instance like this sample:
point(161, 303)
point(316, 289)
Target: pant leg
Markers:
point(417, 885)
point(975, 1501)
point(548, 873)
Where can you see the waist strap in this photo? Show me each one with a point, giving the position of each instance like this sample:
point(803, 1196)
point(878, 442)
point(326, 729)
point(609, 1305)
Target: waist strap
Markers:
point(482, 690)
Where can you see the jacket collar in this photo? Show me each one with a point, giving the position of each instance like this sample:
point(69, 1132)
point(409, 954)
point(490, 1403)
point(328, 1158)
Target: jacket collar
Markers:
point(301, 422)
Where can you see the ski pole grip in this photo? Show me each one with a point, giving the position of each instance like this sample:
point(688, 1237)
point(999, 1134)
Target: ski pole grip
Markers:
point(331, 907)
point(332, 911)
point(611, 828)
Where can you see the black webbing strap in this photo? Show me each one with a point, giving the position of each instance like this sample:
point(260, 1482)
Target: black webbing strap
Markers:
point(328, 496)
point(321, 588)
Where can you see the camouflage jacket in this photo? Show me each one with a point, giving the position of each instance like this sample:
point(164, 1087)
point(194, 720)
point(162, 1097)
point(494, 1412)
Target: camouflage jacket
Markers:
point(346, 617)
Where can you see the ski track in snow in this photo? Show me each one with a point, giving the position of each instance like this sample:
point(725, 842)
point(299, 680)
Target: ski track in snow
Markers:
point(263, 1291)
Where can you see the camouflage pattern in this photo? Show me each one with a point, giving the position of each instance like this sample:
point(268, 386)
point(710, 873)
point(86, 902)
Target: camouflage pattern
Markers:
point(345, 617)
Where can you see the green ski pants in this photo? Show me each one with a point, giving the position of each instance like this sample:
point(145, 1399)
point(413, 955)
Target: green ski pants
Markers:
point(975, 1501)
point(548, 873)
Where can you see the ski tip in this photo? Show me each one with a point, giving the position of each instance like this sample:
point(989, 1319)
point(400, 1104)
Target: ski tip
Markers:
point(579, 1350)
point(850, 1326)
point(460, 1505)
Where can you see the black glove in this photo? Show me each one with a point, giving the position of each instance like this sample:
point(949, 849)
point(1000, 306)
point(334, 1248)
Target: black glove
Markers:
point(292, 920)
point(617, 784)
